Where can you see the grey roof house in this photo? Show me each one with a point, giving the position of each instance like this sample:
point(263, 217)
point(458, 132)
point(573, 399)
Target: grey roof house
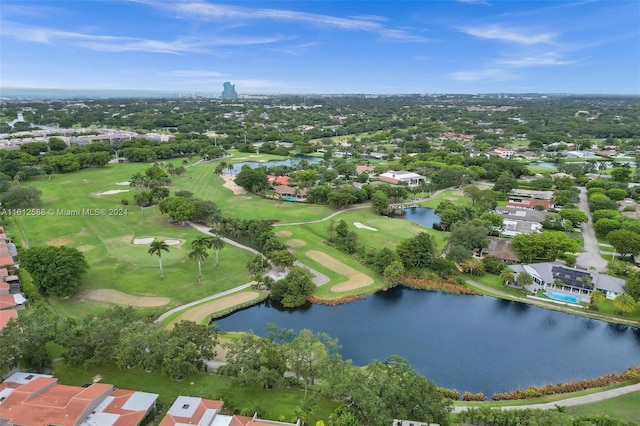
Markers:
point(579, 282)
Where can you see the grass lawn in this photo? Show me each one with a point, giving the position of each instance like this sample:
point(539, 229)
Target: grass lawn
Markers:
point(625, 407)
point(495, 282)
point(456, 196)
point(107, 242)
point(275, 402)
point(541, 169)
point(203, 183)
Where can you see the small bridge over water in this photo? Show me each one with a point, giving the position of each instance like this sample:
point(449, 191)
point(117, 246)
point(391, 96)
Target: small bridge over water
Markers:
point(408, 204)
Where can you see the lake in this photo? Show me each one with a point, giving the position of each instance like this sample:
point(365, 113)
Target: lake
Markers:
point(288, 162)
point(423, 215)
point(470, 343)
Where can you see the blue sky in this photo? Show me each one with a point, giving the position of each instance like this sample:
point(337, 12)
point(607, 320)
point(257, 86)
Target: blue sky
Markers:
point(377, 47)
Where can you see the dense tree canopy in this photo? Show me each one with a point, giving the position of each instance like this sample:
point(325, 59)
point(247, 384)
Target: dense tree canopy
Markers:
point(56, 271)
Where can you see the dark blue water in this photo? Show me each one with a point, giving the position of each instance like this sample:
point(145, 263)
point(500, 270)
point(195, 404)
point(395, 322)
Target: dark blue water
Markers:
point(288, 162)
point(422, 215)
point(470, 343)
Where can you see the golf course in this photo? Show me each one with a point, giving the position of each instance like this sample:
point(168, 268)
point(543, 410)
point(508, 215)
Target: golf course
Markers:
point(115, 241)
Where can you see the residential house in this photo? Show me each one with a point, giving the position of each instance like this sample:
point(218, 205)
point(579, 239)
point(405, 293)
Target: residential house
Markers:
point(559, 277)
point(402, 178)
point(187, 410)
point(501, 249)
point(278, 180)
point(520, 221)
point(503, 152)
point(288, 191)
point(528, 203)
point(397, 422)
point(538, 195)
point(364, 169)
point(38, 400)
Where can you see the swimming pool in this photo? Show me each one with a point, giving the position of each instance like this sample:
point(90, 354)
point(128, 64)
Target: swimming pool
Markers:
point(288, 198)
point(562, 297)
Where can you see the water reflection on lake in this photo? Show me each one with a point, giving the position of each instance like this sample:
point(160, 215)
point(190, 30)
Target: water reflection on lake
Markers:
point(471, 343)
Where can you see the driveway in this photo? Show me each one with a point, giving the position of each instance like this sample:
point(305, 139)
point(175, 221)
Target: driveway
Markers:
point(590, 258)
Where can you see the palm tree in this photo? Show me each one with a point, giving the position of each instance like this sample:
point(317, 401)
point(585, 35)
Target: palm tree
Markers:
point(218, 244)
point(625, 303)
point(506, 276)
point(596, 297)
point(524, 279)
point(199, 253)
point(156, 248)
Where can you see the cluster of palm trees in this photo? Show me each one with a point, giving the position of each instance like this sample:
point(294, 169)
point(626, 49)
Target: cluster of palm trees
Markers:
point(199, 251)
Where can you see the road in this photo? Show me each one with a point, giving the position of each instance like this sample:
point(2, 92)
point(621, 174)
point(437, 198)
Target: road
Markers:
point(590, 258)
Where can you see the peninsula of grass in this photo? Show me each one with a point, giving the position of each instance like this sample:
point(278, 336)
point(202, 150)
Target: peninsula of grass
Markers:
point(456, 196)
point(203, 183)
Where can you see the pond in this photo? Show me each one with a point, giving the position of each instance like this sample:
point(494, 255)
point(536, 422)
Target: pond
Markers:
point(470, 343)
point(423, 215)
point(288, 162)
point(543, 164)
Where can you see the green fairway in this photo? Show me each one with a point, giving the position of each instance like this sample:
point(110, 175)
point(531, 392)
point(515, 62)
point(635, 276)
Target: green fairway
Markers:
point(202, 181)
point(456, 196)
point(107, 242)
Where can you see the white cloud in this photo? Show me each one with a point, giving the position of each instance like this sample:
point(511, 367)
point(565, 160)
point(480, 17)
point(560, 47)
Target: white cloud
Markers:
point(488, 74)
point(545, 59)
point(107, 43)
point(484, 2)
point(204, 10)
point(513, 35)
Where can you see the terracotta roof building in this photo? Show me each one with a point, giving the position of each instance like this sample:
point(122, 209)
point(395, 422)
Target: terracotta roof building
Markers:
point(38, 400)
point(188, 410)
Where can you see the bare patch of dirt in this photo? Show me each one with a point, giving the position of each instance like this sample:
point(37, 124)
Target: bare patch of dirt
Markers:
point(230, 184)
point(200, 312)
point(355, 278)
point(119, 298)
point(296, 243)
point(59, 242)
point(283, 234)
point(86, 248)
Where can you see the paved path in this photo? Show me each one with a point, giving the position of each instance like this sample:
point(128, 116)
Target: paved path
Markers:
point(569, 402)
point(591, 256)
point(318, 279)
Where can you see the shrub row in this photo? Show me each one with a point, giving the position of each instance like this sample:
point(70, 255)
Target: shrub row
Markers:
point(632, 373)
point(221, 314)
point(468, 396)
point(335, 302)
point(439, 285)
point(449, 393)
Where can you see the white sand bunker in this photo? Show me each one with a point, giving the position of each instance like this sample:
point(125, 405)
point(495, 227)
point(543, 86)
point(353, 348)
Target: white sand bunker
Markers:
point(114, 191)
point(363, 226)
point(172, 242)
point(145, 240)
point(125, 183)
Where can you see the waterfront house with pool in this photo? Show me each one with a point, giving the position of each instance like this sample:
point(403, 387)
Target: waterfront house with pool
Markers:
point(561, 279)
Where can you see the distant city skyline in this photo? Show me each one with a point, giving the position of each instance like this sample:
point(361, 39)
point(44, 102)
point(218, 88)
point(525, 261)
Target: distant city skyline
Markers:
point(323, 47)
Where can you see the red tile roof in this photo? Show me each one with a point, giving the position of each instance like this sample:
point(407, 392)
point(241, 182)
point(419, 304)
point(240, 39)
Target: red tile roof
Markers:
point(6, 315)
point(43, 402)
